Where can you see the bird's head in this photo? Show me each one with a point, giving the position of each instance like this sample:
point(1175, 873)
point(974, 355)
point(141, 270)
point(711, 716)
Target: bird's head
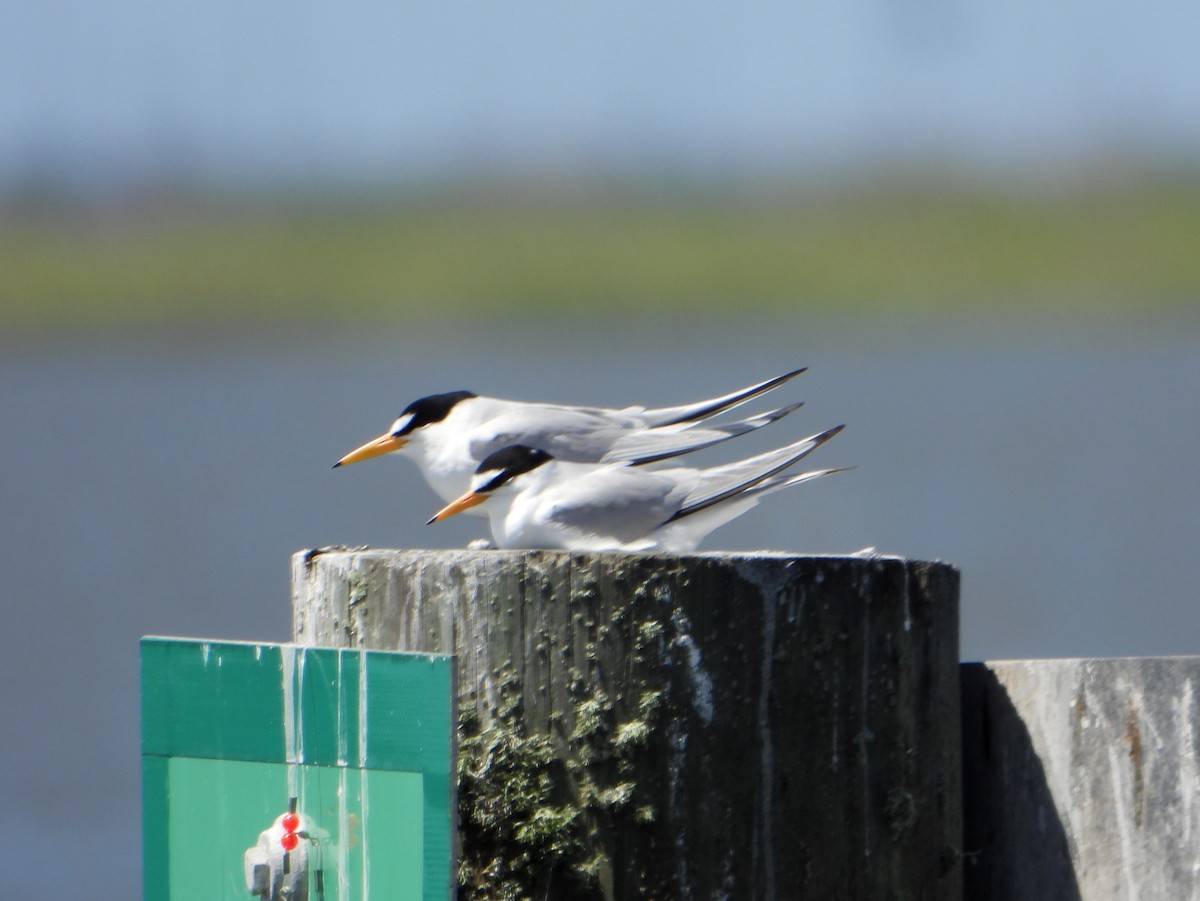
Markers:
point(497, 471)
point(420, 414)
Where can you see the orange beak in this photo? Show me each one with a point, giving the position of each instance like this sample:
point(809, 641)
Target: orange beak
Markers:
point(468, 500)
point(384, 444)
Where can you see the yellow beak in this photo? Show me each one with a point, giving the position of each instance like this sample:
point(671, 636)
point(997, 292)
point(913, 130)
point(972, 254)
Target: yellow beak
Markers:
point(384, 444)
point(468, 500)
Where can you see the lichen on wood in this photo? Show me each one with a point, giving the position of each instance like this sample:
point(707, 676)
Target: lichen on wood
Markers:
point(530, 814)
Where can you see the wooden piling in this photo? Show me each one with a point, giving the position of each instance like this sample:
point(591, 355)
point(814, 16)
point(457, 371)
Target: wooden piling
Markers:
point(1082, 779)
point(754, 726)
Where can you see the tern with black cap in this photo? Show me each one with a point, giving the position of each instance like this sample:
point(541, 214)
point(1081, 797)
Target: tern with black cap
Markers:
point(534, 500)
point(449, 435)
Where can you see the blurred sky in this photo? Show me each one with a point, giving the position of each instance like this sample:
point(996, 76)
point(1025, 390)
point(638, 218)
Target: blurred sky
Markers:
point(101, 95)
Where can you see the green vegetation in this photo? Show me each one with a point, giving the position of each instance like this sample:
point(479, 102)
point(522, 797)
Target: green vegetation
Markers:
point(531, 807)
point(1100, 248)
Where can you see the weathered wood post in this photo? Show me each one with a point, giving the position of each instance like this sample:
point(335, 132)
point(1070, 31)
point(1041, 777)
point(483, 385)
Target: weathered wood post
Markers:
point(754, 726)
point(1082, 779)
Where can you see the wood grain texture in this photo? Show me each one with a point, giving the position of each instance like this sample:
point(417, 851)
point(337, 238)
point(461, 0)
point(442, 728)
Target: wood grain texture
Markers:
point(721, 726)
point(1082, 778)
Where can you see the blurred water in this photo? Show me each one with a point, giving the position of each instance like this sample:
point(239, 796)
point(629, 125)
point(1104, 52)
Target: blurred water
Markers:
point(160, 485)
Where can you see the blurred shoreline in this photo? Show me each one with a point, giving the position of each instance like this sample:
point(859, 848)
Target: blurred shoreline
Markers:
point(1098, 247)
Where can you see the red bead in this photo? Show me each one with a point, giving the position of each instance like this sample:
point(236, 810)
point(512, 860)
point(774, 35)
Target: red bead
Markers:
point(290, 822)
point(289, 841)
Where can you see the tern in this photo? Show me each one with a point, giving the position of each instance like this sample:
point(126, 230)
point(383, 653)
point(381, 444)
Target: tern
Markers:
point(449, 435)
point(537, 501)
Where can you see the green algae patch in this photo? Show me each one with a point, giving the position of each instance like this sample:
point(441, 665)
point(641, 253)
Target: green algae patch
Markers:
point(536, 811)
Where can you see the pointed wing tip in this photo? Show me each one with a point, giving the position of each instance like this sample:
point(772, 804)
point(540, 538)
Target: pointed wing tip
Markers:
point(771, 384)
point(784, 411)
point(829, 433)
point(803, 477)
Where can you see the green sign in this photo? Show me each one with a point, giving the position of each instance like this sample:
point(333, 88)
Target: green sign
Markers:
point(356, 745)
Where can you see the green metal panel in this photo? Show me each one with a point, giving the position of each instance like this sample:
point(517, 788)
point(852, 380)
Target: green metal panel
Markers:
point(215, 812)
point(155, 846)
point(210, 699)
point(363, 740)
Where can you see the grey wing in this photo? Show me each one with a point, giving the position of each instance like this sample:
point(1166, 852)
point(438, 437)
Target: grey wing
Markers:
point(723, 482)
point(785, 481)
point(573, 434)
point(714, 405)
point(651, 445)
point(618, 502)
